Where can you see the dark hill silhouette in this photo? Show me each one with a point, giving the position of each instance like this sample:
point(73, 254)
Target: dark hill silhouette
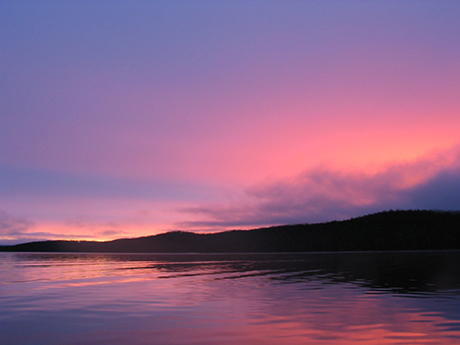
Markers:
point(390, 230)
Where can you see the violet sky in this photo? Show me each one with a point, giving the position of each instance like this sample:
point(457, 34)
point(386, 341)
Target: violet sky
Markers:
point(130, 118)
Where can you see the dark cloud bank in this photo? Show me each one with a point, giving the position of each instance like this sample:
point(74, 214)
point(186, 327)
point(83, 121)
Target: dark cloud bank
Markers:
point(320, 195)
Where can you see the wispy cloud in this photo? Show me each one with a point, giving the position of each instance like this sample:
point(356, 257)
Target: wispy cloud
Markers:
point(15, 229)
point(432, 182)
point(104, 229)
point(13, 226)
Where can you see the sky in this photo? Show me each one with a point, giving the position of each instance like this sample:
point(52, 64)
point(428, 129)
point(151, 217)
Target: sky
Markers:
point(131, 118)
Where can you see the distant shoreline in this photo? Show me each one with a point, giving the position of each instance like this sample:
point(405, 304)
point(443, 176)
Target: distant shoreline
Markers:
point(241, 253)
point(413, 230)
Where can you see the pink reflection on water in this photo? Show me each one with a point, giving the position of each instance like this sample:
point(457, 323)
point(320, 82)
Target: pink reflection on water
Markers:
point(107, 300)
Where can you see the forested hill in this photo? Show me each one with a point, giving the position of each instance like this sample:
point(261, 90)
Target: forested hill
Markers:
point(391, 230)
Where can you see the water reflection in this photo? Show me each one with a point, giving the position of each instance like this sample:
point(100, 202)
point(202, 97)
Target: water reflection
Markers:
point(393, 272)
point(327, 298)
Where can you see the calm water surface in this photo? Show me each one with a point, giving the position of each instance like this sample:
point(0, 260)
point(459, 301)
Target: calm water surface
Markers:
point(339, 298)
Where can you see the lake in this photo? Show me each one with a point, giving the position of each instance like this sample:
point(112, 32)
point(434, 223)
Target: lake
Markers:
point(311, 298)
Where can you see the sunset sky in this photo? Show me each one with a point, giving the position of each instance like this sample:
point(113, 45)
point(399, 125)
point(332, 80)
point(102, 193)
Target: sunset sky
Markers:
point(132, 118)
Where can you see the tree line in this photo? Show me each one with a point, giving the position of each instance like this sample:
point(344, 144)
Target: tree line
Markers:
point(389, 230)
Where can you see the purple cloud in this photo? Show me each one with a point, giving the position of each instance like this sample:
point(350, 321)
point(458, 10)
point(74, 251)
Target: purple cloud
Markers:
point(320, 195)
point(14, 230)
point(12, 226)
